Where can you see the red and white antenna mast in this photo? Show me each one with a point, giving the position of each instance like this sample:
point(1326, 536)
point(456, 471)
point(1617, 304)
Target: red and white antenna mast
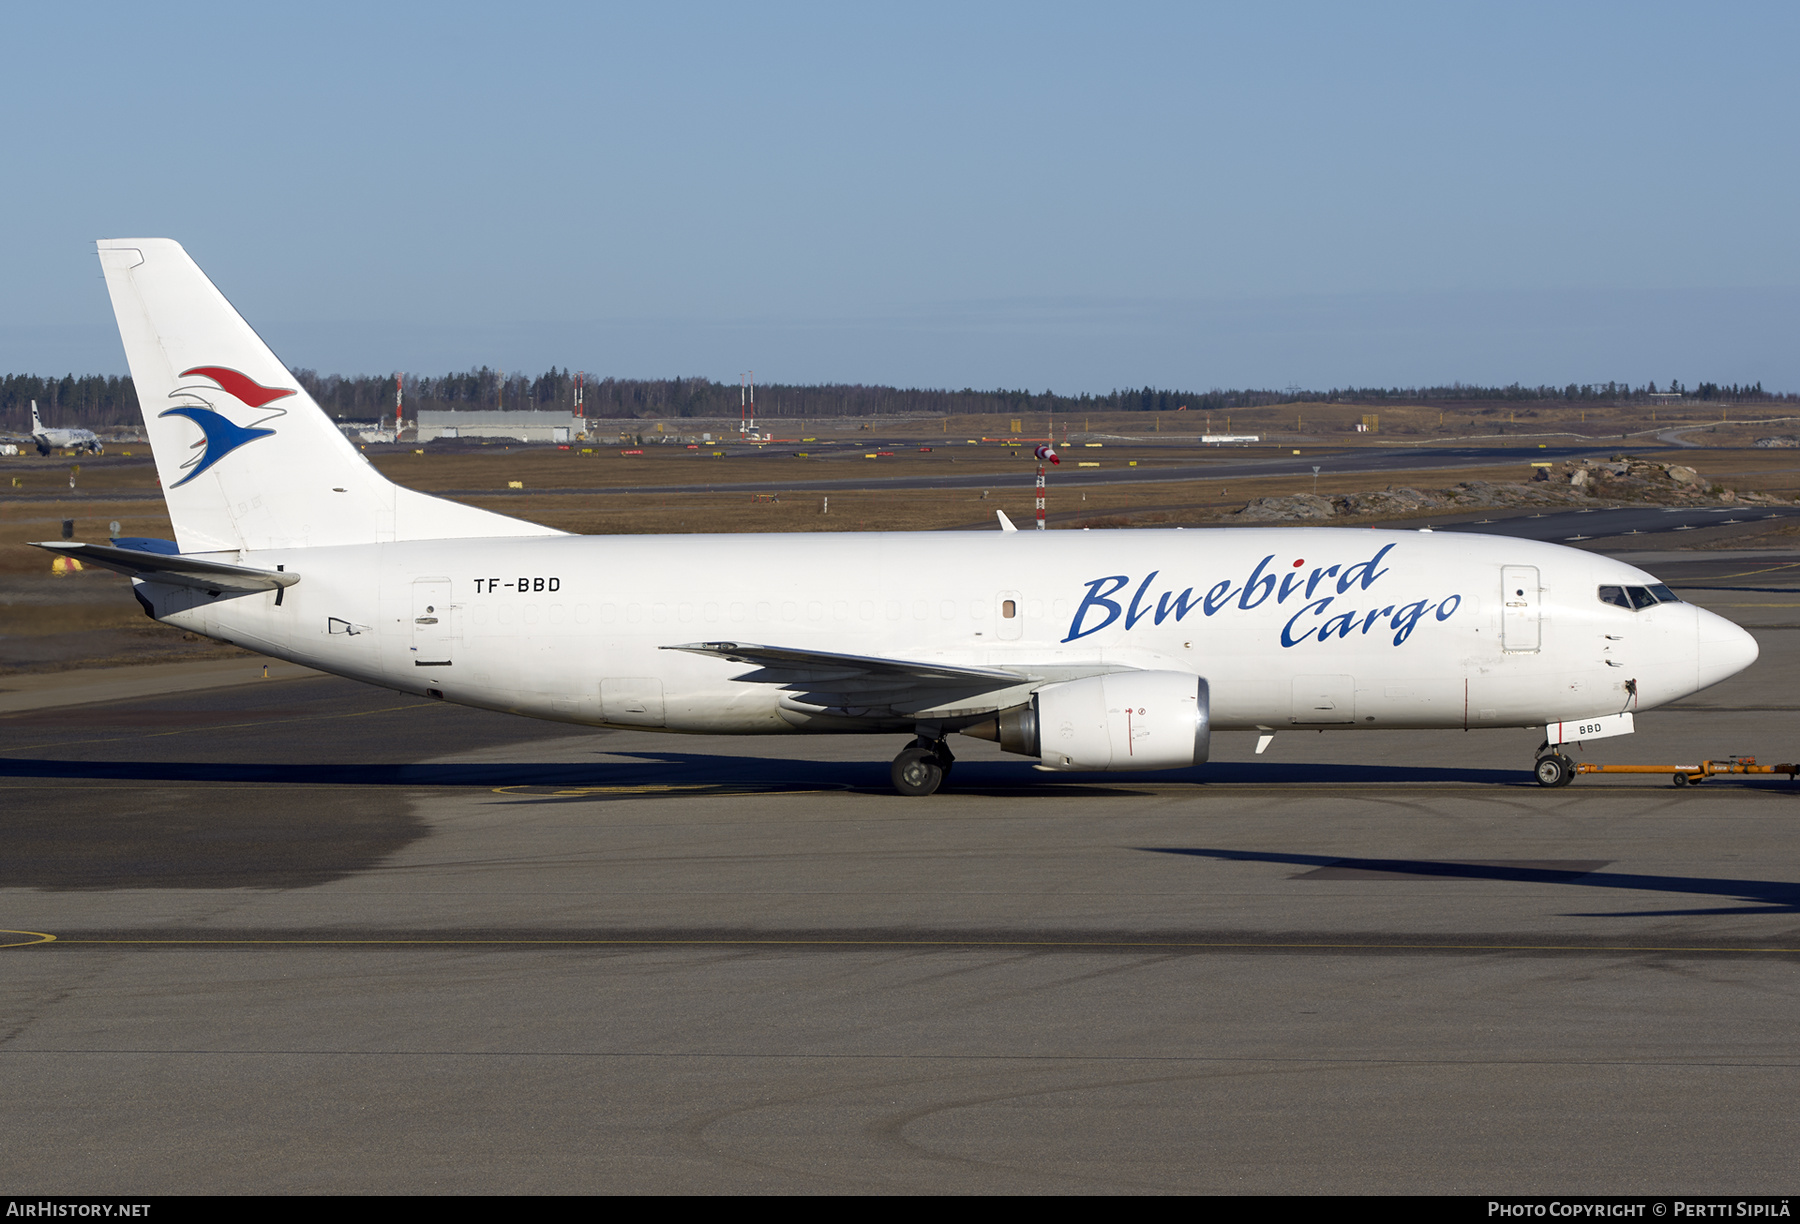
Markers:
point(1045, 454)
point(578, 381)
point(746, 404)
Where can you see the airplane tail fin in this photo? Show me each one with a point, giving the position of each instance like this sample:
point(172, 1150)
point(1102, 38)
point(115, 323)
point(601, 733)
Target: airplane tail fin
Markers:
point(246, 458)
point(37, 426)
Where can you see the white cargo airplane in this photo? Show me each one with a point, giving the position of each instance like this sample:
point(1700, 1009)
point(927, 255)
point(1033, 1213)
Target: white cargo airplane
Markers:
point(1119, 650)
point(48, 440)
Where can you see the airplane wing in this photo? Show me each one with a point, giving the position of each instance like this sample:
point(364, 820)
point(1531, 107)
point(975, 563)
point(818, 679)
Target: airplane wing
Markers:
point(842, 666)
point(869, 688)
point(175, 569)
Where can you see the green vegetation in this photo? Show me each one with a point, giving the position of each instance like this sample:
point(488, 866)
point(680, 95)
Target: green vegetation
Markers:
point(98, 402)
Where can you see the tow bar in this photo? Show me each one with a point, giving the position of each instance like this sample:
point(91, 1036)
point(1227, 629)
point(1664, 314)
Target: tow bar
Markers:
point(1687, 774)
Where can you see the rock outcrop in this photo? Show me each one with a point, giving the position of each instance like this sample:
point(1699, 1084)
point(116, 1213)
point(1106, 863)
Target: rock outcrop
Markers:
point(1576, 482)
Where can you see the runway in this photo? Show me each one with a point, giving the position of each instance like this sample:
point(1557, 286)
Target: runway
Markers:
point(310, 936)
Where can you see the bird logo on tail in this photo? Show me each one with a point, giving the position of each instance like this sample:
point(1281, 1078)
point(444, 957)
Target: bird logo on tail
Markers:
point(220, 434)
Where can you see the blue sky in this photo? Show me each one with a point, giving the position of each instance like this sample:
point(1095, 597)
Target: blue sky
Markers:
point(1030, 195)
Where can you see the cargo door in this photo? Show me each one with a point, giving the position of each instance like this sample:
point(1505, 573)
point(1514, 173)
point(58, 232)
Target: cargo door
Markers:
point(431, 622)
point(1324, 699)
point(1520, 608)
point(632, 701)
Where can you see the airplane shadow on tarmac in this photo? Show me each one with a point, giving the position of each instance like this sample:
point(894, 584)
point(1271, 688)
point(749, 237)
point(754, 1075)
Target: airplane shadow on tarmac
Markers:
point(294, 824)
point(688, 770)
point(745, 771)
point(1760, 896)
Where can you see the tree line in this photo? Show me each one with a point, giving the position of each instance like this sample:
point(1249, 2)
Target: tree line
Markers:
point(1598, 393)
point(627, 398)
point(91, 400)
point(101, 402)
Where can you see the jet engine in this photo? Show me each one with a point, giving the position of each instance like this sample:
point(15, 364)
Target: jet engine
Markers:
point(1122, 720)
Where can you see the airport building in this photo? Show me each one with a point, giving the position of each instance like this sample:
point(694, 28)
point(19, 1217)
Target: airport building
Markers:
point(521, 426)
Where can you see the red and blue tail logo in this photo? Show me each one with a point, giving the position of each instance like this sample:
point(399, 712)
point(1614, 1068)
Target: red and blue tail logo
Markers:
point(220, 434)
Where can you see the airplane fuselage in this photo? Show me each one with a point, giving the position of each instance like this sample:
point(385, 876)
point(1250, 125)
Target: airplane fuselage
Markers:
point(1291, 627)
point(48, 440)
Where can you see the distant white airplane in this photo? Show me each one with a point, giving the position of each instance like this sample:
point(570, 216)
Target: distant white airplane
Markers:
point(1115, 650)
point(61, 439)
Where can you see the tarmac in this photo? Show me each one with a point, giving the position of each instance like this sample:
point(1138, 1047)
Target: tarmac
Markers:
point(305, 936)
point(49, 690)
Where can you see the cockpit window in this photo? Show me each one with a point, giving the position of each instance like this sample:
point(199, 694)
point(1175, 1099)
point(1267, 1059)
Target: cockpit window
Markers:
point(1637, 598)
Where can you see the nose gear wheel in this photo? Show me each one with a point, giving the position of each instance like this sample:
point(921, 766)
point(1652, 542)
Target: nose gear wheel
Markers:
point(1554, 770)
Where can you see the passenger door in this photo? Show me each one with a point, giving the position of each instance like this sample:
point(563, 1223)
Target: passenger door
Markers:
point(1520, 608)
point(1010, 610)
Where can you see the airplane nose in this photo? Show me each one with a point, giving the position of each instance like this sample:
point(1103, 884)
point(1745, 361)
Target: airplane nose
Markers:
point(1722, 648)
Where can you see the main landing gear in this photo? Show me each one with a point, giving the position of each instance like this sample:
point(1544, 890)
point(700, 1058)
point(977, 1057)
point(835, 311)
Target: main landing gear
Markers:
point(921, 766)
point(1554, 769)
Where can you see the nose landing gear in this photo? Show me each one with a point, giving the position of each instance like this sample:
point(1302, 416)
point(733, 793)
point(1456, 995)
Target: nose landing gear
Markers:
point(921, 766)
point(1554, 770)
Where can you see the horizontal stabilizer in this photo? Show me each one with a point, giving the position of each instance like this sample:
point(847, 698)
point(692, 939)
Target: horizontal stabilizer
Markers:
point(784, 659)
point(176, 569)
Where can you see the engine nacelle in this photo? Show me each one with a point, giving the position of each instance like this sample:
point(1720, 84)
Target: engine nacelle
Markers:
point(1124, 720)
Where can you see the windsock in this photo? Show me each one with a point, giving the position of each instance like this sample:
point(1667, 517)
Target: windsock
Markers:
point(1046, 453)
